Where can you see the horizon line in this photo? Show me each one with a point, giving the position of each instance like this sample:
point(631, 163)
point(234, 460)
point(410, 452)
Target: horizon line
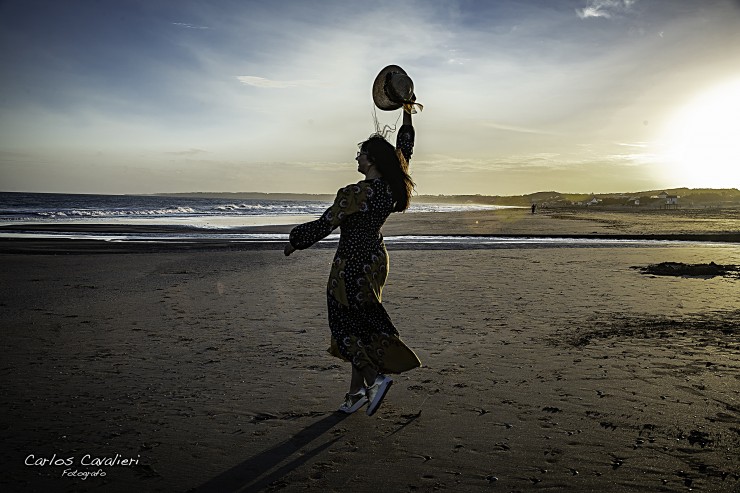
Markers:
point(418, 195)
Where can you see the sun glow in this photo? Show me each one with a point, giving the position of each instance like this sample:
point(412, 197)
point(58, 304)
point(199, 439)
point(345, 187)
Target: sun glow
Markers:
point(700, 147)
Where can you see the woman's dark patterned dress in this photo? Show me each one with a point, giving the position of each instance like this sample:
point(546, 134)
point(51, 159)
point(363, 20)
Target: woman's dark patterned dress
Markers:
point(362, 333)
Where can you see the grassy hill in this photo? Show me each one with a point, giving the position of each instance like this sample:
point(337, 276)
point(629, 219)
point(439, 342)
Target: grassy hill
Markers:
point(687, 197)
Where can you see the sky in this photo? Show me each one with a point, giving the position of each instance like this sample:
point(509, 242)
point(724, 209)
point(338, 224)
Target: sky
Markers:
point(520, 96)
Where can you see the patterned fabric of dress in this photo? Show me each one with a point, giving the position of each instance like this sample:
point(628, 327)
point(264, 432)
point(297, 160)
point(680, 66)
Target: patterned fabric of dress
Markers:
point(362, 332)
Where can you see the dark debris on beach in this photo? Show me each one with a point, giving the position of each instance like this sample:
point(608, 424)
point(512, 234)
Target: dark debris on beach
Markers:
point(691, 270)
point(712, 324)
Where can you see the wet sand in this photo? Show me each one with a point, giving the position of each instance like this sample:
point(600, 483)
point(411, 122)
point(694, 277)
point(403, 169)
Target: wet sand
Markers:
point(558, 369)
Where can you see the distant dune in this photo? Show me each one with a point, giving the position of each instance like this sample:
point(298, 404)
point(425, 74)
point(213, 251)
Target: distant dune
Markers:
point(685, 197)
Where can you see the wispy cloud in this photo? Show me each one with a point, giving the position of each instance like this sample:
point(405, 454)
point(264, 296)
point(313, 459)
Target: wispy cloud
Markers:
point(188, 26)
point(518, 162)
point(255, 81)
point(604, 8)
point(514, 128)
point(633, 144)
point(633, 159)
point(189, 152)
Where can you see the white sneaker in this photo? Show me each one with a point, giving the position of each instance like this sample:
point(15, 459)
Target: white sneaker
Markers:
point(376, 392)
point(353, 402)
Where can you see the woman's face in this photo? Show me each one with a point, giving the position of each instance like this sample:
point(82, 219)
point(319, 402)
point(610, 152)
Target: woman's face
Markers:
point(363, 163)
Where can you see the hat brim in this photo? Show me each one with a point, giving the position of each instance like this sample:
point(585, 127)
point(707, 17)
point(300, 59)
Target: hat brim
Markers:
point(380, 98)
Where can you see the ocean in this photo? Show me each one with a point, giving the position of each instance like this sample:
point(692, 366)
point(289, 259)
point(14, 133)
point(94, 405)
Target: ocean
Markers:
point(176, 219)
point(196, 212)
point(189, 219)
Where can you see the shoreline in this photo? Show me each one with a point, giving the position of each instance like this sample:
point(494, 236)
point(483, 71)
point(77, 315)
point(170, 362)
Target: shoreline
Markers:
point(702, 226)
point(56, 246)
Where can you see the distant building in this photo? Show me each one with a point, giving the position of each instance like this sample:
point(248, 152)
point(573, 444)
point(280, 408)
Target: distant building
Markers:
point(671, 200)
point(593, 201)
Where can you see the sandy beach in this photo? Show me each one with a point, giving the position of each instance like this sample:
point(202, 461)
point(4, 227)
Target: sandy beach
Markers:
point(545, 368)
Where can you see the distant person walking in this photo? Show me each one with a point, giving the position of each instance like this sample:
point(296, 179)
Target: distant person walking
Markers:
point(361, 330)
point(534, 208)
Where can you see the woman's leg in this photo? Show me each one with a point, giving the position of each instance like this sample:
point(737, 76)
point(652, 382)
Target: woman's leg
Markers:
point(357, 382)
point(369, 375)
point(361, 378)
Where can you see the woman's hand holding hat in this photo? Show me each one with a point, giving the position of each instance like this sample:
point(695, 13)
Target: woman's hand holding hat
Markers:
point(393, 89)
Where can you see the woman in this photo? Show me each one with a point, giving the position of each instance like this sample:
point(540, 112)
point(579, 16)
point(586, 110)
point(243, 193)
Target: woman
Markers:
point(362, 333)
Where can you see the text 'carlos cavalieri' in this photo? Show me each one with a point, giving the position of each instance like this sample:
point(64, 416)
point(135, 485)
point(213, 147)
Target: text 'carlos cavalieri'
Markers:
point(86, 460)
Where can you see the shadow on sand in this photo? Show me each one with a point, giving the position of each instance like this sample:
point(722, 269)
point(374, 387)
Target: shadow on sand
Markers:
point(254, 474)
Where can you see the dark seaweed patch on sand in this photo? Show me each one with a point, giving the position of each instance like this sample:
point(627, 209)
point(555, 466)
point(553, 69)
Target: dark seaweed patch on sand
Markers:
point(690, 270)
point(720, 326)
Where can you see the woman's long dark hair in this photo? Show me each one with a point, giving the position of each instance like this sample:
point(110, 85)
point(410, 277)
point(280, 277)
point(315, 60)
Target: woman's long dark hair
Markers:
point(394, 168)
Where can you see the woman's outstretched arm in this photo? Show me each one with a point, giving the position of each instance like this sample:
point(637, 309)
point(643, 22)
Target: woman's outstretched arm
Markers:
point(406, 136)
point(350, 200)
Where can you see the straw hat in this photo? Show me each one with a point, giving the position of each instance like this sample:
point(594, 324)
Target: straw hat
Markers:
point(393, 88)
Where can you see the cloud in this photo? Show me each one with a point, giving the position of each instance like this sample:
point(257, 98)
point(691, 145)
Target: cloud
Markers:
point(513, 128)
point(252, 80)
point(188, 26)
point(189, 152)
point(536, 161)
point(500, 81)
point(604, 8)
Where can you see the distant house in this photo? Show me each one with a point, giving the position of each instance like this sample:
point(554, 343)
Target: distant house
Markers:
point(663, 195)
point(671, 200)
point(634, 201)
point(593, 201)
